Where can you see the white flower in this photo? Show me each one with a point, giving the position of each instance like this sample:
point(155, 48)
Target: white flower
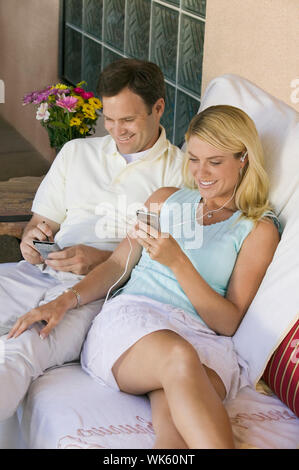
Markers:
point(42, 113)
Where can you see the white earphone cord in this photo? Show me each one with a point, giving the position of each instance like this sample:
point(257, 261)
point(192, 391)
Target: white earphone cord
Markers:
point(176, 225)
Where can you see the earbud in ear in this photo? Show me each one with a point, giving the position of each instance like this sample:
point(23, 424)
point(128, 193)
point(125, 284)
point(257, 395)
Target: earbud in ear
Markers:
point(243, 156)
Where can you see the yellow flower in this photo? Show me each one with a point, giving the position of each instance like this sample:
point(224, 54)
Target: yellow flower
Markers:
point(75, 121)
point(80, 101)
point(83, 129)
point(95, 102)
point(60, 86)
point(90, 116)
point(88, 109)
point(79, 85)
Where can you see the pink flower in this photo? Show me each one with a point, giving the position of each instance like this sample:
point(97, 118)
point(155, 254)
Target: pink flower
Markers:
point(69, 103)
point(79, 90)
point(87, 94)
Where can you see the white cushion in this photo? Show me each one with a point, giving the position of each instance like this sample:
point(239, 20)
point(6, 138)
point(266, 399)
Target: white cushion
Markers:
point(276, 306)
point(67, 409)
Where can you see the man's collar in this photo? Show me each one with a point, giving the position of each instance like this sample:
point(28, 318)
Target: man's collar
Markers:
point(155, 151)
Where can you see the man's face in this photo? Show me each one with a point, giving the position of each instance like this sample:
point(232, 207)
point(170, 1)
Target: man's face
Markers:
point(129, 123)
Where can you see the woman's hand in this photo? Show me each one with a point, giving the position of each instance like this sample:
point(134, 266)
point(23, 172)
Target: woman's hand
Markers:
point(51, 313)
point(160, 246)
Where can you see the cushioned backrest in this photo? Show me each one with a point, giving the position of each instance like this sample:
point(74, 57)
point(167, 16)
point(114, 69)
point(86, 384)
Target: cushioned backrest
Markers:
point(275, 308)
point(277, 125)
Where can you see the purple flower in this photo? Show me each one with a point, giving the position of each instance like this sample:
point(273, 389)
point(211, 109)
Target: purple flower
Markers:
point(59, 91)
point(28, 98)
point(69, 103)
point(41, 96)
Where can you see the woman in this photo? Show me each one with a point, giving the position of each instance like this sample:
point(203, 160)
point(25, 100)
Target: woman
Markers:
point(168, 332)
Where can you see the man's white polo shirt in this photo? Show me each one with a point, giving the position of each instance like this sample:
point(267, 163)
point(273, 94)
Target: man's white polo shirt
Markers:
point(90, 186)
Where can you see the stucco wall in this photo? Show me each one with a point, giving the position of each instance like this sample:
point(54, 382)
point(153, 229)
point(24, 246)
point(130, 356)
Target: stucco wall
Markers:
point(257, 39)
point(28, 61)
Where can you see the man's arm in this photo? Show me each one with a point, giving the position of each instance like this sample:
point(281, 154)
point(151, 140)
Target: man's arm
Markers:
point(39, 228)
point(51, 199)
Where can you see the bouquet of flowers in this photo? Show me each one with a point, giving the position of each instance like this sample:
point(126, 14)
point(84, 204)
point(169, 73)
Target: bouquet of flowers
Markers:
point(66, 112)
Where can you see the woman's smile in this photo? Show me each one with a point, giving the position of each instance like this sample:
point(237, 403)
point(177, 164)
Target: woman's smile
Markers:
point(206, 183)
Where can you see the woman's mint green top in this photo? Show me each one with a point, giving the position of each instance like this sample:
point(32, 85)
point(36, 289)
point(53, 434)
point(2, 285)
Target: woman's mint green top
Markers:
point(212, 249)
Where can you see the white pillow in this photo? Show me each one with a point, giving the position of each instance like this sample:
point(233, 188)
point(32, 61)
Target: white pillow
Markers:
point(275, 308)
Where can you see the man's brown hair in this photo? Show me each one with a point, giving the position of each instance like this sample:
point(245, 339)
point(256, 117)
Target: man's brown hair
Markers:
point(141, 77)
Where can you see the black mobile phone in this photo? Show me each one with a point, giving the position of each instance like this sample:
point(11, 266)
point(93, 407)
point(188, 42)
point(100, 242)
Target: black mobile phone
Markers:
point(44, 248)
point(149, 218)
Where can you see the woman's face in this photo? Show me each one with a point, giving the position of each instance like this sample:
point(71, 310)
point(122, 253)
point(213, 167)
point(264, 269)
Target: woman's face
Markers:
point(216, 172)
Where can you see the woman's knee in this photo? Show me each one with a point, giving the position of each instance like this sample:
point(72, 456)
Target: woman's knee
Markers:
point(154, 357)
point(181, 359)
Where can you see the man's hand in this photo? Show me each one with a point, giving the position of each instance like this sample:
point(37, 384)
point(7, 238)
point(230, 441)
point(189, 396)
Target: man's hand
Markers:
point(37, 229)
point(77, 259)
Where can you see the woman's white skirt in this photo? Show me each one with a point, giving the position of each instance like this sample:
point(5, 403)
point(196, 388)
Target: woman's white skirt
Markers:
point(127, 318)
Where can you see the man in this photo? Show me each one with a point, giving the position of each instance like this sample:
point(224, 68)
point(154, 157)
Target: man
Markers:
point(118, 172)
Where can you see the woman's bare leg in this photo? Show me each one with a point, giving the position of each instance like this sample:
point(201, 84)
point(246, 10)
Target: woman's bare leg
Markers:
point(167, 435)
point(164, 360)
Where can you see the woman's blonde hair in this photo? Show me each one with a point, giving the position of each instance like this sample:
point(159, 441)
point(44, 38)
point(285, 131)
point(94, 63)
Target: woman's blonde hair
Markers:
point(231, 129)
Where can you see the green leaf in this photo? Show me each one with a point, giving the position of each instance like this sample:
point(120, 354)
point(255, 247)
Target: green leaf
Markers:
point(59, 124)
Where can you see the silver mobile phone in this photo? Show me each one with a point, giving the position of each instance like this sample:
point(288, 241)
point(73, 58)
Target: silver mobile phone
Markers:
point(149, 218)
point(44, 248)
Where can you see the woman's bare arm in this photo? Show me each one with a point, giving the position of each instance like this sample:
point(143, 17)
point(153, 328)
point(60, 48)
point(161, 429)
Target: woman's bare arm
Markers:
point(94, 286)
point(224, 314)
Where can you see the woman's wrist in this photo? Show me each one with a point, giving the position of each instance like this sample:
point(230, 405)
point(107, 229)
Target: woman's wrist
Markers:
point(178, 262)
point(70, 298)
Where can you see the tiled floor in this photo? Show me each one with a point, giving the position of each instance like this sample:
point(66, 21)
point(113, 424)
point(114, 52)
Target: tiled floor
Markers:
point(17, 158)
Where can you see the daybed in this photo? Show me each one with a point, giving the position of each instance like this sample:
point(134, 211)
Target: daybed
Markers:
point(65, 408)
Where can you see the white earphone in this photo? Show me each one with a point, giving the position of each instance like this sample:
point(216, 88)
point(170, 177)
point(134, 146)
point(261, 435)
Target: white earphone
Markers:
point(243, 156)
